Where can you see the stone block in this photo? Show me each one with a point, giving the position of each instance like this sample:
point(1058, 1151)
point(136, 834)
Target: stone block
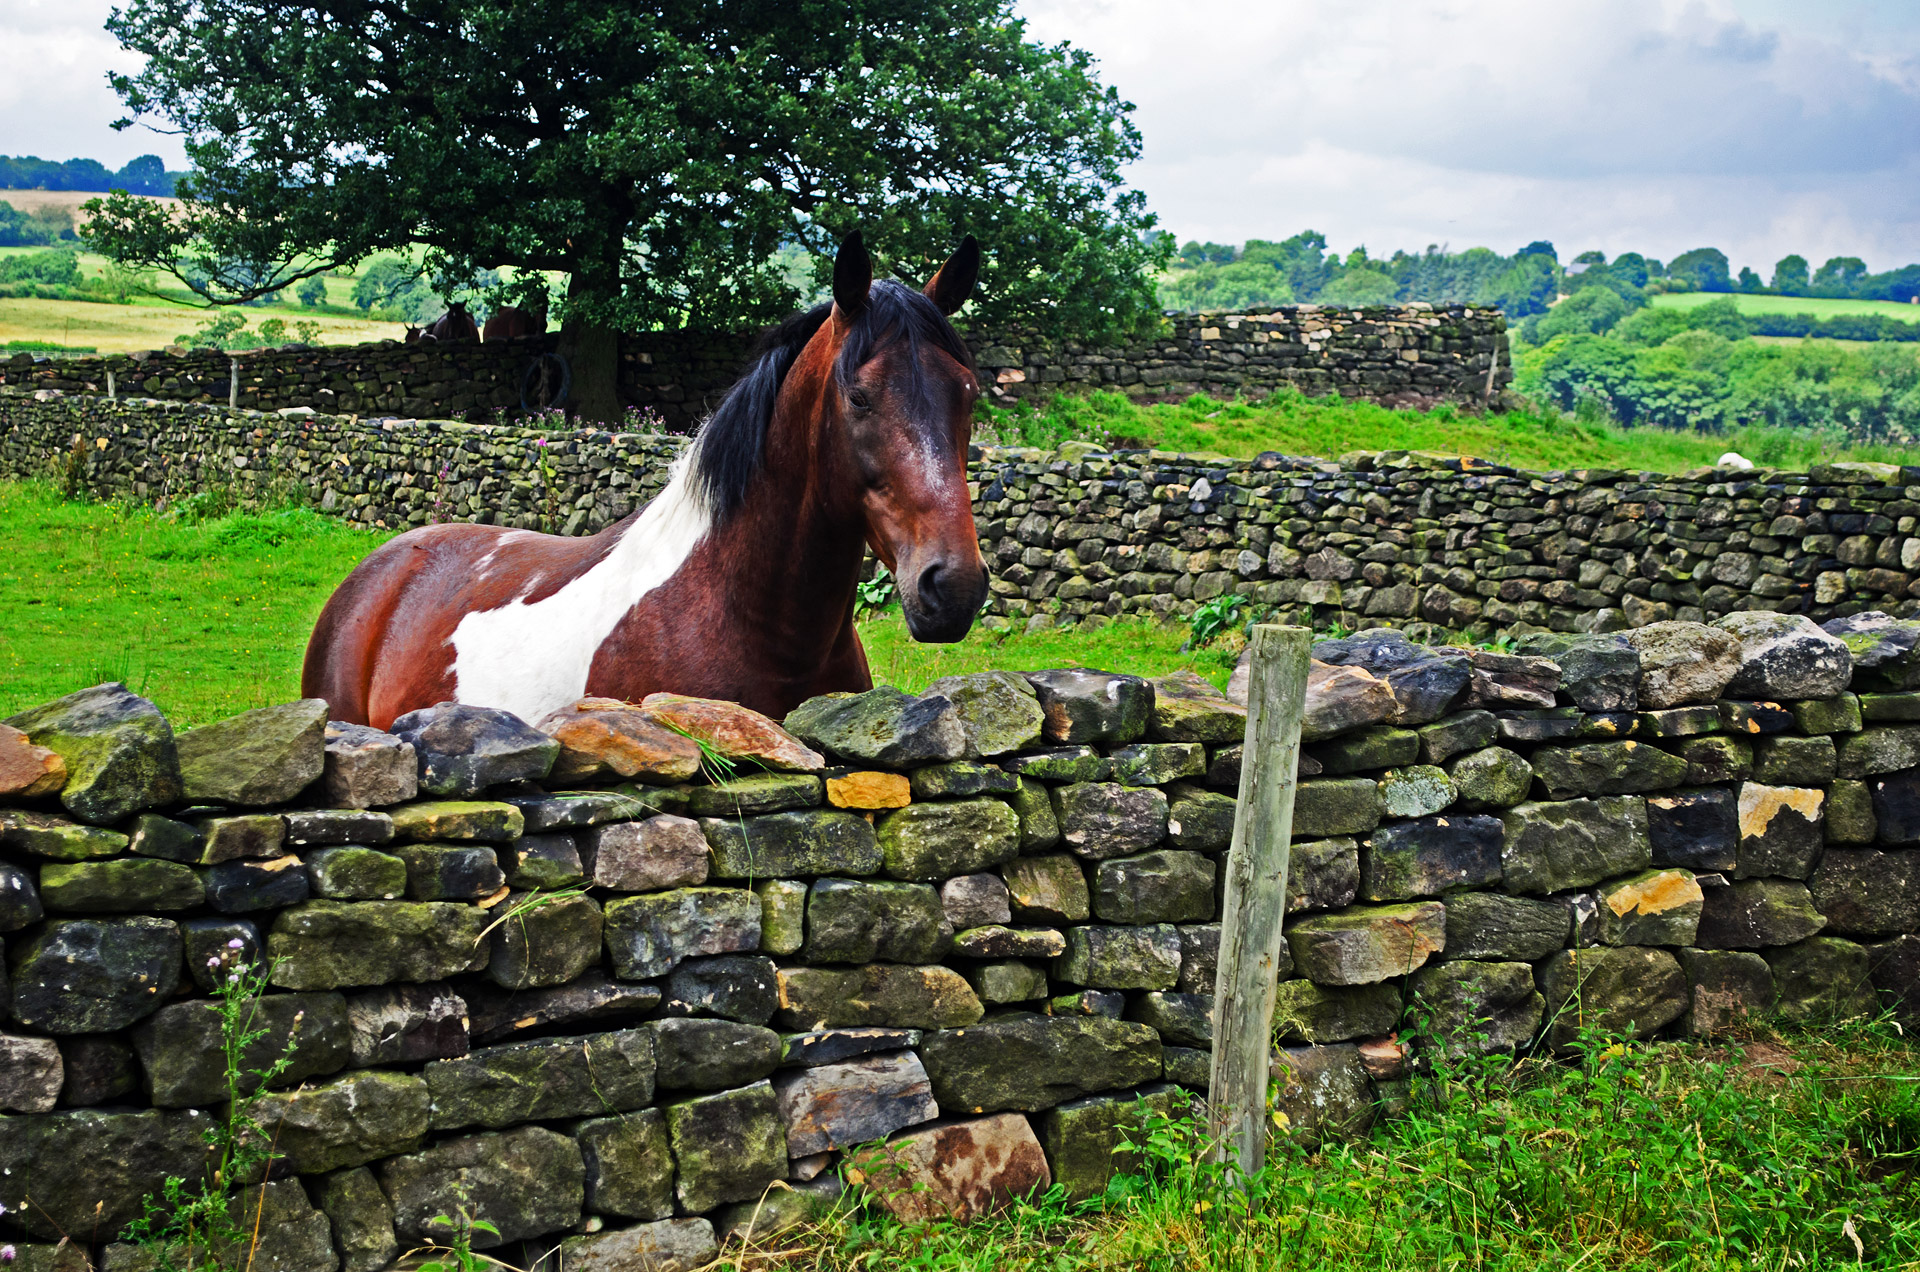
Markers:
point(1875, 751)
point(1651, 907)
point(592, 1000)
point(1781, 830)
point(1694, 829)
point(77, 976)
point(1365, 944)
point(266, 756)
point(1341, 698)
point(1550, 847)
point(961, 779)
point(1598, 672)
point(996, 941)
point(1306, 1012)
point(1322, 1093)
point(1456, 734)
point(629, 1165)
point(1894, 967)
point(1785, 656)
point(740, 987)
point(956, 1170)
point(1477, 1007)
point(712, 1055)
point(783, 915)
point(1606, 768)
point(84, 1170)
point(31, 1074)
point(98, 1069)
point(320, 827)
point(879, 994)
point(1850, 813)
point(551, 1078)
point(28, 771)
point(118, 750)
point(1100, 820)
point(1423, 858)
point(869, 789)
point(1727, 988)
point(449, 872)
point(975, 900)
point(1048, 889)
point(352, 873)
point(792, 844)
point(119, 886)
point(180, 1046)
point(1030, 1062)
point(1329, 807)
point(467, 820)
point(643, 856)
point(543, 940)
point(852, 921)
point(649, 935)
point(367, 768)
point(1683, 662)
point(1374, 748)
point(1864, 892)
point(1821, 980)
point(1754, 913)
point(526, 1182)
point(1039, 828)
point(999, 712)
point(882, 726)
point(1100, 957)
point(1324, 874)
point(1155, 887)
point(58, 838)
point(360, 1218)
point(604, 739)
point(833, 1106)
point(1200, 958)
point(728, 1146)
point(830, 1046)
point(164, 839)
point(348, 1122)
point(1082, 706)
point(1199, 820)
point(930, 842)
point(1713, 759)
point(1416, 790)
point(1496, 927)
point(256, 835)
point(1791, 761)
point(1083, 1139)
point(1896, 808)
point(756, 793)
point(462, 750)
point(670, 1245)
point(342, 944)
point(1181, 1020)
point(734, 732)
point(404, 1024)
point(1625, 990)
point(1060, 764)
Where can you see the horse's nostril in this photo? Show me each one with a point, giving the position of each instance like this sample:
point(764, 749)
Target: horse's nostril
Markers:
point(929, 587)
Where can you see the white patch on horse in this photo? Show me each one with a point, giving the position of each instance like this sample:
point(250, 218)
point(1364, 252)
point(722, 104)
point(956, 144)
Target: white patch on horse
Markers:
point(533, 659)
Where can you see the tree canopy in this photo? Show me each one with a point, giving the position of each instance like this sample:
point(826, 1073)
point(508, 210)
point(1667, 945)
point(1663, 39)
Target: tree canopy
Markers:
point(658, 155)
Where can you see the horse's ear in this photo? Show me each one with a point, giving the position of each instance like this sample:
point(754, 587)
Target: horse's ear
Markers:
point(950, 287)
point(852, 277)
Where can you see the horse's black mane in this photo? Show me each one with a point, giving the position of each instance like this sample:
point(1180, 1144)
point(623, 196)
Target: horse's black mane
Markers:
point(731, 449)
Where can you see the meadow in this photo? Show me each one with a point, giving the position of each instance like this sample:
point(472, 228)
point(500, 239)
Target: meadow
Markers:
point(1819, 306)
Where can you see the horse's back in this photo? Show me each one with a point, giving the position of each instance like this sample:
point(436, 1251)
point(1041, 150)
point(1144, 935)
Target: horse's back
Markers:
point(379, 648)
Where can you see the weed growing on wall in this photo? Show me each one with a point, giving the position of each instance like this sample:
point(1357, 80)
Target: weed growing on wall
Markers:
point(214, 1224)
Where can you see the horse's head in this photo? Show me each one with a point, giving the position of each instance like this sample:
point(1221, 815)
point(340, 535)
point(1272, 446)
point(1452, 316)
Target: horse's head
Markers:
point(902, 389)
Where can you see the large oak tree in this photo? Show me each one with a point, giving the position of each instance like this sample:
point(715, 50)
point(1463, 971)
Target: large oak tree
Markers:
point(656, 154)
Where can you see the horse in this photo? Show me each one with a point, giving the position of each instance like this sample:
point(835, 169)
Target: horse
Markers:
point(510, 323)
point(848, 429)
point(455, 324)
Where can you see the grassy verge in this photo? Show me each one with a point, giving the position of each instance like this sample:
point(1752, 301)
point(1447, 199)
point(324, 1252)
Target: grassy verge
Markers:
point(1293, 424)
point(1820, 306)
point(1769, 1153)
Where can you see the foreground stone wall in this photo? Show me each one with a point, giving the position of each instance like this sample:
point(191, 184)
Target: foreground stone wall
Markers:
point(1407, 539)
point(565, 977)
point(1413, 354)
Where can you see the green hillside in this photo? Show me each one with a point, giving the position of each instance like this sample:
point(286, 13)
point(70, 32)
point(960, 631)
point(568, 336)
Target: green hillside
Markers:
point(1751, 305)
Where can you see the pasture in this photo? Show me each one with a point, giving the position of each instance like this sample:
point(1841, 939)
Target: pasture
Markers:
point(154, 324)
point(1819, 307)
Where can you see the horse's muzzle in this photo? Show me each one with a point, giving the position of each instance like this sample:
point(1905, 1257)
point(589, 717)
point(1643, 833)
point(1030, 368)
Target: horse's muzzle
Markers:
point(941, 599)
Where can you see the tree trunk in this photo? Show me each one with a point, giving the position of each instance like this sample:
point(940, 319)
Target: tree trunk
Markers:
point(592, 350)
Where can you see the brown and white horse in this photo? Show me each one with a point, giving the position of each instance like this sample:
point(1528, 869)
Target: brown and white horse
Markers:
point(737, 581)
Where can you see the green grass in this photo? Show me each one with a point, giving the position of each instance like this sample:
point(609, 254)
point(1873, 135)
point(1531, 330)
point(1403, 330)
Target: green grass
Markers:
point(207, 618)
point(1296, 425)
point(1770, 1154)
point(211, 617)
point(1818, 306)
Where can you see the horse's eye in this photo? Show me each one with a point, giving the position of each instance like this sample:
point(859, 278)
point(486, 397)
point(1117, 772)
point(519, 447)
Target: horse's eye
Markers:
point(858, 397)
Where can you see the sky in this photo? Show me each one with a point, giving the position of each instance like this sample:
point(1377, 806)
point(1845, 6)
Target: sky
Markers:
point(1762, 127)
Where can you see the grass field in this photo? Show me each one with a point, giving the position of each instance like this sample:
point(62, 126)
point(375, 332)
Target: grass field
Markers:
point(210, 618)
point(68, 201)
point(129, 328)
point(1818, 306)
point(1296, 425)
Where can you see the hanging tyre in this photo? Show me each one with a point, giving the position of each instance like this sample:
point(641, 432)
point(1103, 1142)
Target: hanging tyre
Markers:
point(545, 383)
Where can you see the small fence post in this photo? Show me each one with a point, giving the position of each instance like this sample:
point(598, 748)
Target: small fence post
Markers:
point(112, 394)
point(233, 384)
point(1256, 896)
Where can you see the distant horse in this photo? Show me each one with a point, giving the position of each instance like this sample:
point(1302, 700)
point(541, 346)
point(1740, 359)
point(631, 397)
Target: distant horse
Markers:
point(509, 323)
point(455, 324)
point(849, 428)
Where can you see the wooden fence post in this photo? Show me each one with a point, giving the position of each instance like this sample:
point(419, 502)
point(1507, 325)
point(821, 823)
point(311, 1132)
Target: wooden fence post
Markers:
point(1256, 896)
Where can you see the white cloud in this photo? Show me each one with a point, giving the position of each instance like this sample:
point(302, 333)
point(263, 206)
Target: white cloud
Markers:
point(54, 98)
point(1650, 125)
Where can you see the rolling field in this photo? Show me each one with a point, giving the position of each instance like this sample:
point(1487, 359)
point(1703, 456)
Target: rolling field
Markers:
point(68, 201)
point(1817, 306)
point(128, 328)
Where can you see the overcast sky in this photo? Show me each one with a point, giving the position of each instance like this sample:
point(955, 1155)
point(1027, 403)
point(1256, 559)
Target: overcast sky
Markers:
point(1759, 126)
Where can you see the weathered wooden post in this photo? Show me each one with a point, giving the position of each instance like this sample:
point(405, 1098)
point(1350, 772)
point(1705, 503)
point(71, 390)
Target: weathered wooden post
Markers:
point(233, 384)
point(1256, 896)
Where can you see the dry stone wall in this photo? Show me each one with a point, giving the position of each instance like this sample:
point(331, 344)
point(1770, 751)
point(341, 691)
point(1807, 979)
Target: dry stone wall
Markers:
point(589, 984)
point(1411, 354)
point(1421, 541)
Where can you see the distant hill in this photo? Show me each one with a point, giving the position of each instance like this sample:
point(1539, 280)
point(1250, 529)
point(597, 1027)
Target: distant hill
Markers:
point(144, 175)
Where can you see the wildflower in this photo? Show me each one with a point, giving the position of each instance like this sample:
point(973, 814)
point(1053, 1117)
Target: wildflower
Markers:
point(236, 944)
point(214, 961)
point(8, 1254)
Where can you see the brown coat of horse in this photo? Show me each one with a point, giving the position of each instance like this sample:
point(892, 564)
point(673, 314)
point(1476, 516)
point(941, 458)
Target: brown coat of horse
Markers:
point(455, 324)
point(737, 581)
point(509, 323)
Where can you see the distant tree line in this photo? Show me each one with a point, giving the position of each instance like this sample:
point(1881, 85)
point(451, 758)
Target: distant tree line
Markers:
point(144, 175)
point(35, 229)
point(1217, 276)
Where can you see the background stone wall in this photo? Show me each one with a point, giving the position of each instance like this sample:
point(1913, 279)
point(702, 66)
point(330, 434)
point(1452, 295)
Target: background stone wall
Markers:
point(616, 1001)
point(1411, 354)
point(1392, 538)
